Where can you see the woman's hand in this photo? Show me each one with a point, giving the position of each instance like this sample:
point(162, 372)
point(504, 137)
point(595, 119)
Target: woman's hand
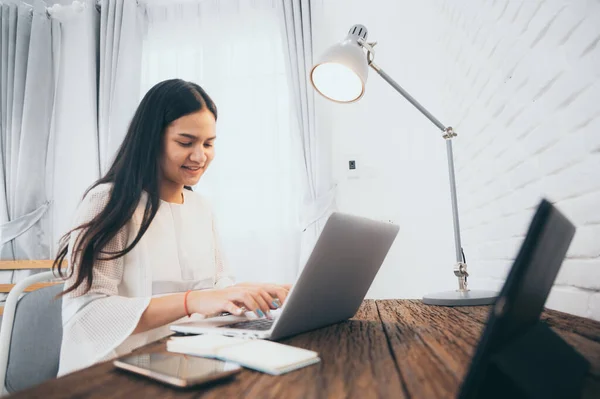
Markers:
point(258, 298)
point(275, 291)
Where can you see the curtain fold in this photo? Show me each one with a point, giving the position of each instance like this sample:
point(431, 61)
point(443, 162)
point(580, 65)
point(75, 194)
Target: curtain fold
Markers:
point(27, 73)
point(320, 190)
point(121, 33)
point(75, 138)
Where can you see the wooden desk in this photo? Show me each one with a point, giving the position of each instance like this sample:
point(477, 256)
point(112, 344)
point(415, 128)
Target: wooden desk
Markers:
point(390, 349)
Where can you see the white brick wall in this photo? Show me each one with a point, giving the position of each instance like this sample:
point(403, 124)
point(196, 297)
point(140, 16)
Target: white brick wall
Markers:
point(522, 88)
point(595, 306)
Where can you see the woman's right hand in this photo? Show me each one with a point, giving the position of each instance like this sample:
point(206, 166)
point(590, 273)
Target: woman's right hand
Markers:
point(231, 299)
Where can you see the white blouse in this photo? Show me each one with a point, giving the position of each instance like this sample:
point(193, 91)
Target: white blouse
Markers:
point(179, 251)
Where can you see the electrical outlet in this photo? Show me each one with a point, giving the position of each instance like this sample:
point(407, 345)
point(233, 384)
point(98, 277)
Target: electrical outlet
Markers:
point(352, 165)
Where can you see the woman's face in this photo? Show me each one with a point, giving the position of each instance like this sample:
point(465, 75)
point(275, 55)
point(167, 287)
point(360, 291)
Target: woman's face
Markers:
point(188, 148)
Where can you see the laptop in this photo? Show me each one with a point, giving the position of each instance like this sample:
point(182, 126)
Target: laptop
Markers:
point(517, 353)
point(330, 289)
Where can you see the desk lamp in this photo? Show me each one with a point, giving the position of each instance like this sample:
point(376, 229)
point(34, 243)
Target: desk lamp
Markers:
point(340, 76)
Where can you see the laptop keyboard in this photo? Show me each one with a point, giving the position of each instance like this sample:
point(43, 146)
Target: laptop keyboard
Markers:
point(258, 324)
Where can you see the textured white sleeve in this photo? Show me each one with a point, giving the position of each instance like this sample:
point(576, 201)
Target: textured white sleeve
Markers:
point(96, 322)
point(224, 277)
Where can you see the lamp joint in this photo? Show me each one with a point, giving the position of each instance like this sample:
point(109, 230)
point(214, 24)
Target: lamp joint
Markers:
point(370, 50)
point(449, 133)
point(460, 271)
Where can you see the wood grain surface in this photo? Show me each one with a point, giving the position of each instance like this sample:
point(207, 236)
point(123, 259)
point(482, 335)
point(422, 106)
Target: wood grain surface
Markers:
point(390, 349)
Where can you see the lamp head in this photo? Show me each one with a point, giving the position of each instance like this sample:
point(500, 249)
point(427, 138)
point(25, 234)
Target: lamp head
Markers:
point(341, 73)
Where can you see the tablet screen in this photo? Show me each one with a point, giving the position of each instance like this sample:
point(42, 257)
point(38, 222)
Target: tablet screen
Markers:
point(179, 366)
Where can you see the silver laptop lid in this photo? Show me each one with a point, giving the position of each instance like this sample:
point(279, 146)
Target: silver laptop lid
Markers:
point(338, 274)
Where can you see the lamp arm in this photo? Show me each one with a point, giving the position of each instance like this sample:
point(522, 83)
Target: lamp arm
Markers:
point(410, 98)
point(460, 269)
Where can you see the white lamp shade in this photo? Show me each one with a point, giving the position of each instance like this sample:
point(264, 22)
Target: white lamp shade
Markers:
point(341, 74)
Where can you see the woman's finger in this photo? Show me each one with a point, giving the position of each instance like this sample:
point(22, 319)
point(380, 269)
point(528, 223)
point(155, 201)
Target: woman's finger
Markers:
point(247, 299)
point(263, 302)
point(277, 291)
point(233, 308)
point(268, 299)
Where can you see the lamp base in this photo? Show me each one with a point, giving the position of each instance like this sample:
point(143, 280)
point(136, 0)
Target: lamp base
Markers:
point(461, 298)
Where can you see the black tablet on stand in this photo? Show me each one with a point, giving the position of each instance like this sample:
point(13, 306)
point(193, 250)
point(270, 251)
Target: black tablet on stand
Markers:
point(519, 356)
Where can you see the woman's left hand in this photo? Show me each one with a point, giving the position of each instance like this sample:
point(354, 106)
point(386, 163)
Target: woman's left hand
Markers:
point(278, 291)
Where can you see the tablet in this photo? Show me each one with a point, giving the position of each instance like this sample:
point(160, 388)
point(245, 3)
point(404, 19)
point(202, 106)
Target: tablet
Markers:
point(521, 301)
point(176, 369)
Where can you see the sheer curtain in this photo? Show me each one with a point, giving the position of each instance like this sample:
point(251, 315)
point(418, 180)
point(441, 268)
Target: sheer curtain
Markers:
point(320, 190)
point(234, 49)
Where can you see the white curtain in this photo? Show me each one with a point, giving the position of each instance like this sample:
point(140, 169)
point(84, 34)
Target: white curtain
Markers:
point(50, 111)
point(29, 38)
point(121, 30)
point(320, 191)
point(75, 140)
point(97, 93)
point(234, 50)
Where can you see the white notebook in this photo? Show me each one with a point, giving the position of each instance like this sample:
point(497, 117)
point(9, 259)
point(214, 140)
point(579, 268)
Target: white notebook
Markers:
point(257, 354)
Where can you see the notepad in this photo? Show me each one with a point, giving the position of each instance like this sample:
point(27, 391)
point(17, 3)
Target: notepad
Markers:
point(257, 354)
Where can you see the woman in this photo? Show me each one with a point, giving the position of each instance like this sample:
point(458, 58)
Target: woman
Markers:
point(145, 252)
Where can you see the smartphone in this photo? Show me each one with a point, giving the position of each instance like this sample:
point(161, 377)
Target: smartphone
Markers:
point(177, 369)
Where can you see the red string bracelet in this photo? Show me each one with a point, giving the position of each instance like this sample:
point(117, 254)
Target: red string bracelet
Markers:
point(185, 303)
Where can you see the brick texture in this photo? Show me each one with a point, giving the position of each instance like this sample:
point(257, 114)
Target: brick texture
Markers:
point(522, 87)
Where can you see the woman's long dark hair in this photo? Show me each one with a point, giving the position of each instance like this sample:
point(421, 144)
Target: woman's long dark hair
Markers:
point(134, 170)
